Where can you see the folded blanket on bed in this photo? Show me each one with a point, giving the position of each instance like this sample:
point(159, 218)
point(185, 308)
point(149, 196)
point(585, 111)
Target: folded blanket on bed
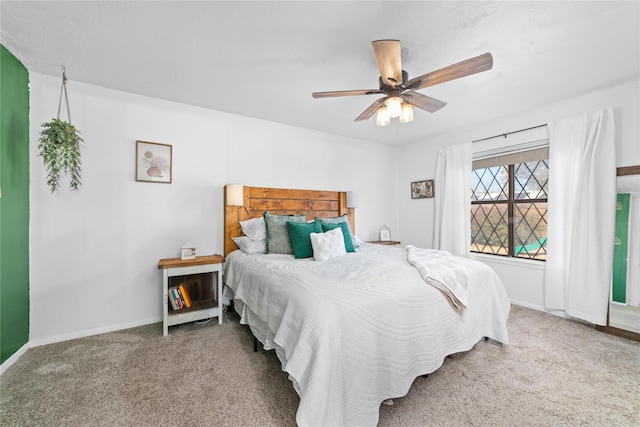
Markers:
point(441, 270)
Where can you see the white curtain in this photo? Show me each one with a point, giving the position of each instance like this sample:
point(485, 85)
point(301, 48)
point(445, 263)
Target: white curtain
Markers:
point(453, 199)
point(581, 212)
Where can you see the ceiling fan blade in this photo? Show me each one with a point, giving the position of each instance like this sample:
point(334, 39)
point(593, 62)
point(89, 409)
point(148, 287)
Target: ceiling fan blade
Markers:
point(423, 102)
point(371, 110)
point(388, 57)
point(470, 66)
point(345, 93)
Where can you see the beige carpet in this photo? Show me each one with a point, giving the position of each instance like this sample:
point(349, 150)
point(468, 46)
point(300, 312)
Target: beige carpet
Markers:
point(555, 372)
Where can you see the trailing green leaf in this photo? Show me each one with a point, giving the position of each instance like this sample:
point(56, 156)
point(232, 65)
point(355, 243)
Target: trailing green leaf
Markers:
point(59, 147)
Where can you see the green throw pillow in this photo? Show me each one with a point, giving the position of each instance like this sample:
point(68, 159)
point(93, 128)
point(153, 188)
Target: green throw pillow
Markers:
point(300, 237)
point(348, 244)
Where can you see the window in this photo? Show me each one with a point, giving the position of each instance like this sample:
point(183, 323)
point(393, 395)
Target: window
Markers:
point(509, 204)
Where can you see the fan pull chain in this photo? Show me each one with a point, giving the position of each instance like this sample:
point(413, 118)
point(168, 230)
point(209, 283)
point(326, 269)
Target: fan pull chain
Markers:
point(66, 97)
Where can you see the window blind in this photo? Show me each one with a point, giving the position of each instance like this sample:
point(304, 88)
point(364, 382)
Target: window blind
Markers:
point(526, 146)
point(530, 155)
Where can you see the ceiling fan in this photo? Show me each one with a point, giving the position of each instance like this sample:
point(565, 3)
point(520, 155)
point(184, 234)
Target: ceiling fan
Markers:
point(400, 92)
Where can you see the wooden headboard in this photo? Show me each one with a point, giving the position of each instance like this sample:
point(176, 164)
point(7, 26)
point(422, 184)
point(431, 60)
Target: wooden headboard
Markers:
point(257, 200)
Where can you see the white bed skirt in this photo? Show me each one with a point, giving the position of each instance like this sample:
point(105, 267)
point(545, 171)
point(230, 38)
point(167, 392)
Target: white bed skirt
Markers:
point(260, 331)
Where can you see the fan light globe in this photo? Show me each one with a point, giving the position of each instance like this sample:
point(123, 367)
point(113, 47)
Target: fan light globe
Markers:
point(406, 115)
point(394, 106)
point(383, 118)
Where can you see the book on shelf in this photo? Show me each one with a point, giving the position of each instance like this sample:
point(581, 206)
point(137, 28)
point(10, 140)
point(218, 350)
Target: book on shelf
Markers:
point(185, 295)
point(172, 300)
point(174, 297)
point(179, 297)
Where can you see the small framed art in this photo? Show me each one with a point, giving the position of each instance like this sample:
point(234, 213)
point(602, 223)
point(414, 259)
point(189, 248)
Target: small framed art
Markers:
point(188, 251)
point(153, 162)
point(422, 189)
point(385, 234)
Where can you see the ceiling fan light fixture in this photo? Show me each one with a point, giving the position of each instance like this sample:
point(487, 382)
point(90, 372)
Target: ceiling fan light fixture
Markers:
point(394, 105)
point(406, 114)
point(395, 85)
point(383, 118)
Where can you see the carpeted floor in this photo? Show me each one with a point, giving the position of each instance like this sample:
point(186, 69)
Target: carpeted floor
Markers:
point(555, 372)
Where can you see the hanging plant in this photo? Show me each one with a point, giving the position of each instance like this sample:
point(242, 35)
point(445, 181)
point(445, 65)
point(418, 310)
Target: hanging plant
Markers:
point(59, 147)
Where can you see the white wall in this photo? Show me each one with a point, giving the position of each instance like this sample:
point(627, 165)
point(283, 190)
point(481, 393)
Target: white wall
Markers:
point(94, 253)
point(523, 280)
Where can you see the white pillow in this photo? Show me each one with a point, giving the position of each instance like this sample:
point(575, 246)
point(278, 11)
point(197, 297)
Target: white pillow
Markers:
point(249, 246)
point(328, 245)
point(254, 228)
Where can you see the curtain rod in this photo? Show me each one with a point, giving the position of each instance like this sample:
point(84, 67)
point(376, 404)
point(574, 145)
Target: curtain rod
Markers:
point(509, 133)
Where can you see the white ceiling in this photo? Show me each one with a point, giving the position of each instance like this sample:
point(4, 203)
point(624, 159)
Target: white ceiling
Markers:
point(264, 59)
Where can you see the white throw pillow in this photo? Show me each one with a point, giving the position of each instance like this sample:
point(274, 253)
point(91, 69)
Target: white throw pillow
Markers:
point(328, 245)
point(254, 228)
point(249, 246)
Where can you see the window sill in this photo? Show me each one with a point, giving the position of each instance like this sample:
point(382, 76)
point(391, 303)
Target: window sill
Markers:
point(514, 262)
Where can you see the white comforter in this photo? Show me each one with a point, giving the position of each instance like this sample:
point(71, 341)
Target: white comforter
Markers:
point(358, 329)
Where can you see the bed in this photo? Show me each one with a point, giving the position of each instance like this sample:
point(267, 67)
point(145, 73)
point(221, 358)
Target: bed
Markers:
point(356, 329)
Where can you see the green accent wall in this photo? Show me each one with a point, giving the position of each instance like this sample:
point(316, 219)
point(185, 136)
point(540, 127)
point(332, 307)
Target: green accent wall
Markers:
point(14, 205)
point(621, 249)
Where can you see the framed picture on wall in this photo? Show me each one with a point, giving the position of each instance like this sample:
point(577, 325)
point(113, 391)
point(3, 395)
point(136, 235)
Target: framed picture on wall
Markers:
point(422, 189)
point(153, 162)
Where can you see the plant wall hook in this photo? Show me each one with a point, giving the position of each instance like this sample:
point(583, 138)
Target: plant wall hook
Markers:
point(63, 87)
point(59, 146)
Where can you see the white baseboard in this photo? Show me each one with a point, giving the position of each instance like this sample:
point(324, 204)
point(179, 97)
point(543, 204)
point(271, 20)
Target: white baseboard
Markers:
point(97, 331)
point(527, 305)
point(14, 357)
point(558, 313)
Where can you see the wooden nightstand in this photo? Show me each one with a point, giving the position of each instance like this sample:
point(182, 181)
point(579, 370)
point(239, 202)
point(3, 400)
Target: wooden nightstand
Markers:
point(202, 278)
point(385, 242)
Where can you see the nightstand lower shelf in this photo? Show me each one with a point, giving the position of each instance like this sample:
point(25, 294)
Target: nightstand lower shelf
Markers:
point(199, 310)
